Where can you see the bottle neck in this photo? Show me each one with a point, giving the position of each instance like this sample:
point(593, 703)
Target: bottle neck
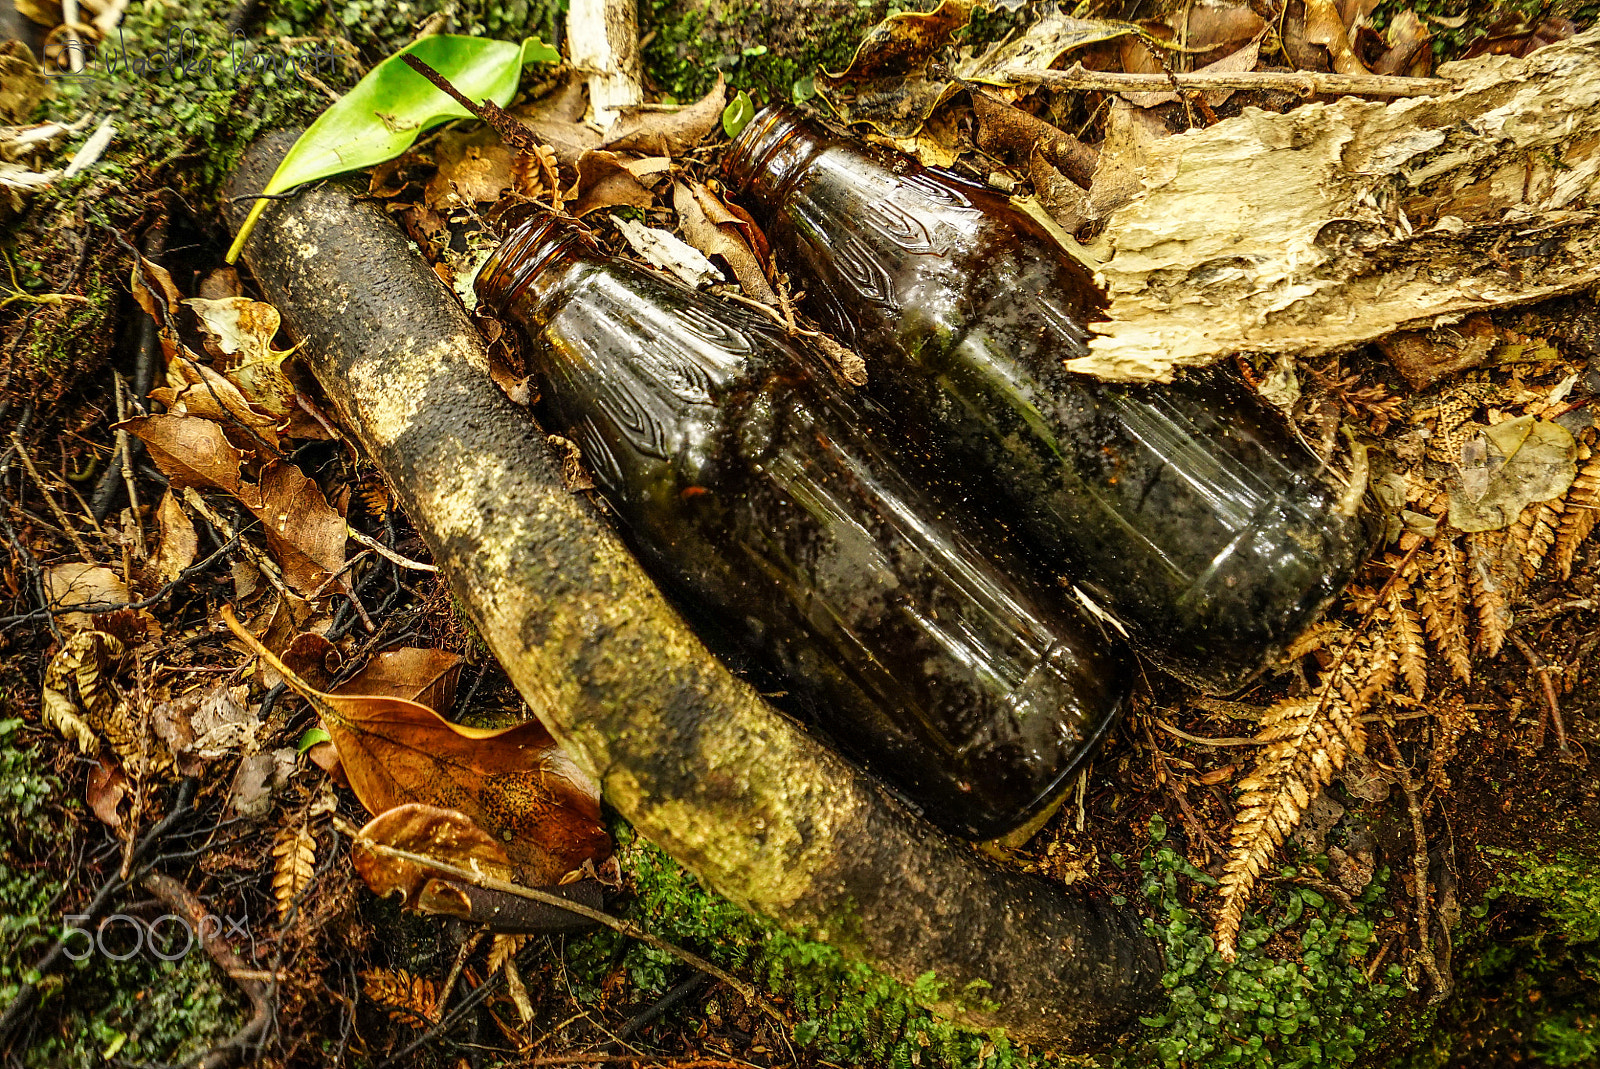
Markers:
point(531, 261)
point(771, 151)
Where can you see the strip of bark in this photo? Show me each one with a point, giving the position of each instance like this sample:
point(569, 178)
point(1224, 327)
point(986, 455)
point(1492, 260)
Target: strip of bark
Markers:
point(693, 757)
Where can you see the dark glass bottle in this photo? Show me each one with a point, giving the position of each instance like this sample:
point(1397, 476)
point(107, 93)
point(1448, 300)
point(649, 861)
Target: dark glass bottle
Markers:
point(1189, 511)
point(745, 481)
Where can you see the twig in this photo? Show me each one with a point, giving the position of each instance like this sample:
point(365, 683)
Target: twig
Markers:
point(183, 902)
point(1552, 708)
point(127, 466)
point(511, 130)
point(1442, 984)
point(1306, 83)
point(1196, 739)
point(449, 985)
point(633, 931)
point(386, 553)
point(55, 509)
point(193, 499)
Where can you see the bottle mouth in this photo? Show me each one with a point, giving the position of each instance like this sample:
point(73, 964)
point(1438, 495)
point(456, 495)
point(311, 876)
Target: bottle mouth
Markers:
point(524, 253)
point(761, 139)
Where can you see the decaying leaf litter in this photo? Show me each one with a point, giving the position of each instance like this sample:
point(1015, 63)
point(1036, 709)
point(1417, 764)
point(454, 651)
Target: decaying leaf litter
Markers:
point(1476, 436)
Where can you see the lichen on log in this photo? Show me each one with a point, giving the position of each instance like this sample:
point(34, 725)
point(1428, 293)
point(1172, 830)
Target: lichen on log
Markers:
point(692, 756)
point(1333, 224)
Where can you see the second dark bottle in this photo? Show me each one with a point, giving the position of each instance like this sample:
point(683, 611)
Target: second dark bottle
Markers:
point(1189, 511)
point(745, 480)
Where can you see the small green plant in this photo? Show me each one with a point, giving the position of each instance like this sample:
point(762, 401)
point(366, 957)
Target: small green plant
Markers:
point(1310, 1008)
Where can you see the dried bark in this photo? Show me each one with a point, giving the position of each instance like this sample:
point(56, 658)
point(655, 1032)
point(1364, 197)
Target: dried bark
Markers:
point(689, 754)
point(1331, 225)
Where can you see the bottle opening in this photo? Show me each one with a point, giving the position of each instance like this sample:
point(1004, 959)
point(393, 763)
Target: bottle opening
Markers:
point(753, 152)
point(527, 251)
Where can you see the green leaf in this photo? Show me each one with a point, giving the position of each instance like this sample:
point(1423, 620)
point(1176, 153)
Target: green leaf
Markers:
point(384, 113)
point(312, 737)
point(804, 89)
point(737, 115)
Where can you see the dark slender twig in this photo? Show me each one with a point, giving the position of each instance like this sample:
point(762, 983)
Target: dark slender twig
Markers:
point(681, 992)
point(1552, 708)
point(1442, 984)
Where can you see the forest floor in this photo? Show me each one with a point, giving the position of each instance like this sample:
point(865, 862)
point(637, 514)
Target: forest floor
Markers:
point(1435, 906)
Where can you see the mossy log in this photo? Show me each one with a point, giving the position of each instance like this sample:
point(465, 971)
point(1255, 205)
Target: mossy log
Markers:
point(688, 753)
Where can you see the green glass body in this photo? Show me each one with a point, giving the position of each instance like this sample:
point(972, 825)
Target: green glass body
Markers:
point(1190, 512)
point(745, 479)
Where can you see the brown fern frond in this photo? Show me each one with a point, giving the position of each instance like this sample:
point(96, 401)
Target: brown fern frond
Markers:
point(1442, 599)
point(1578, 521)
point(1541, 535)
point(295, 867)
point(502, 949)
point(1408, 643)
point(1492, 590)
point(1307, 740)
point(408, 999)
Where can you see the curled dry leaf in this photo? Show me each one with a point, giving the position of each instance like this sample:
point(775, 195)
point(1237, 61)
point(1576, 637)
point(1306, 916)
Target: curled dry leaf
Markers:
point(1064, 199)
point(1408, 52)
point(473, 167)
point(1325, 27)
point(306, 536)
point(178, 544)
point(1238, 62)
point(310, 656)
point(556, 118)
point(904, 42)
point(514, 783)
point(154, 291)
point(604, 181)
point(197, 390)
point(108, 786)
point(74, 686)
point(441, 834)
point(206, 724)
point(671, 133)
point(715, 231)
point(1003, 129)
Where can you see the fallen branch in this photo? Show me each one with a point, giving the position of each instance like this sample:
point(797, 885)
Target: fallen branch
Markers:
point(1306, 83)
point(690, 755)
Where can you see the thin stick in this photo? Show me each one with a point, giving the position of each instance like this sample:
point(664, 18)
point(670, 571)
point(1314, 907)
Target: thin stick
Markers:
point(127, 467)
point(1442, 984)
point(193, 499)
point(1306, 83)
point(1552, 707)
point(388, 554)
point(1197, 740)
point(633, 931)
point(55, 509)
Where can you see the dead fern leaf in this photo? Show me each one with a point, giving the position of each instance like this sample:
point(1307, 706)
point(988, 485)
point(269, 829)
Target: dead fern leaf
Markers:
point(503, 949)
point(1441, 598)
point(1543, 526)
point(295, 867)
point(407, 999)
point(1307, 740)
point(1492, 588)
point(1578, 521)
point(1409, 647)
point(75, 693)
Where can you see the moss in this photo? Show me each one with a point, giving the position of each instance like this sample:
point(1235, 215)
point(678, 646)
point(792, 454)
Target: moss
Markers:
point(843, 1012)
point(1450, 42)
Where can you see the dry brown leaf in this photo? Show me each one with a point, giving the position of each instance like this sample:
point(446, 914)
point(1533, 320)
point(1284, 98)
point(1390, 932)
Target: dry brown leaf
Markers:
point(77, 585)
point(108, 786)
point(1237, 62)
point(670, 133)
point(178, 544)
point(904, 42)
point(73, 684)
point(515, 783)
point(220, 283)
point(294, 867)
point(427, 677)
point(503, 949)
point(556, 119)
point(1119, 174)
point(305, 535)
point(695, 205)
point(1325, 27)
point(190, 451)
point(205, 724)
point(473, 167)
point(1408, 52)
point(153, 289)
point(1063, 198)
point(310, 656)
point(604, 181)
point(194, 389)
point(442, 834)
